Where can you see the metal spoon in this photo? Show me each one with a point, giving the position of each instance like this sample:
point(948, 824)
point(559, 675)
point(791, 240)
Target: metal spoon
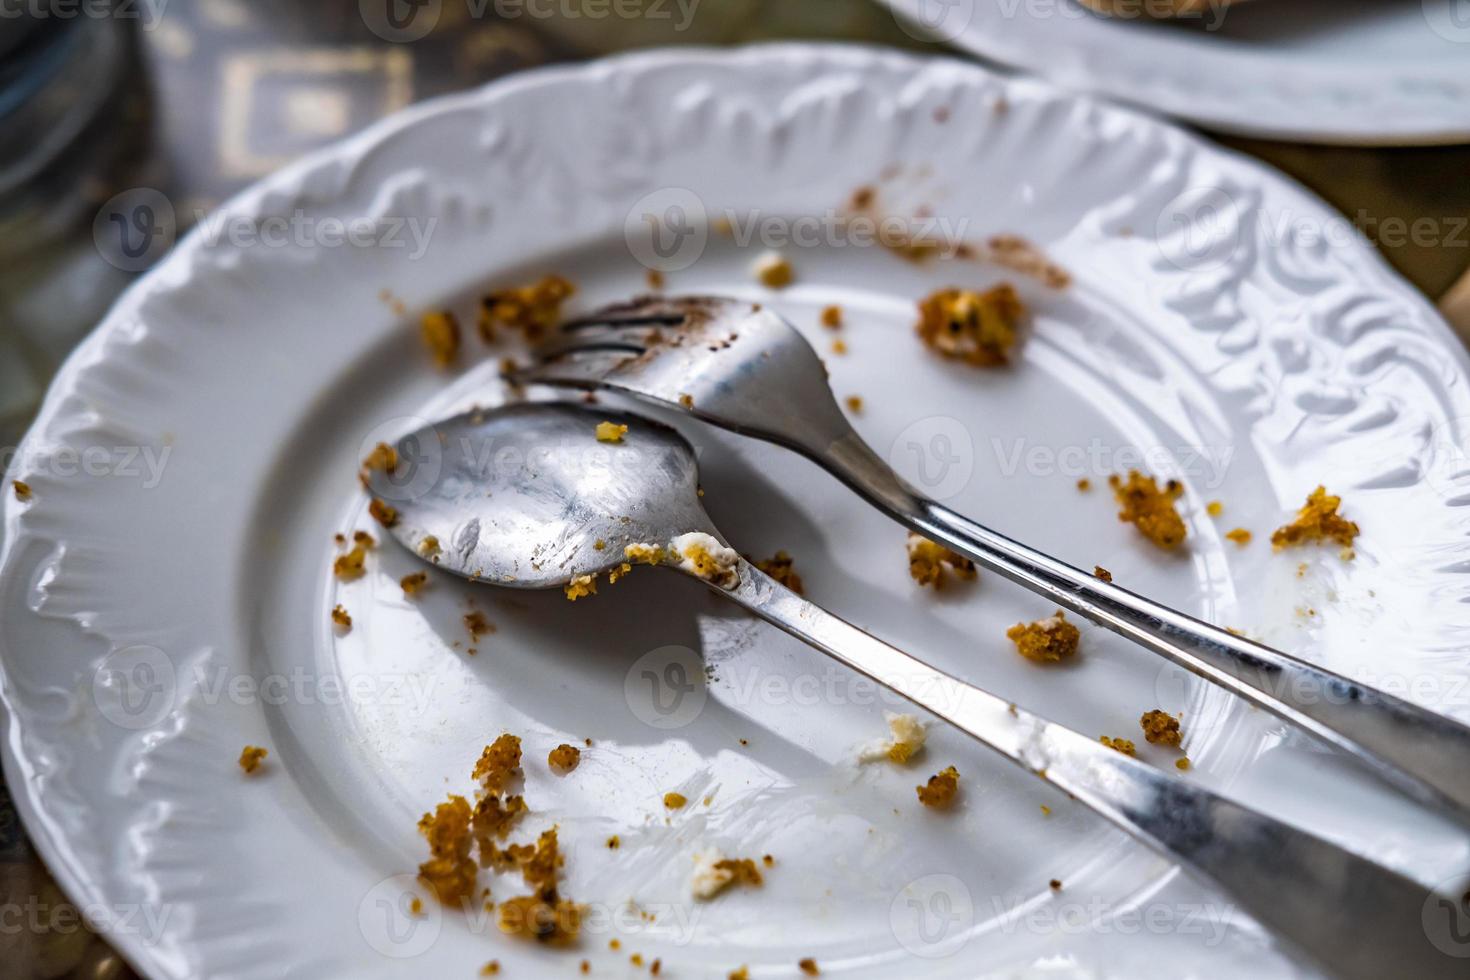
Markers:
point(527, 497)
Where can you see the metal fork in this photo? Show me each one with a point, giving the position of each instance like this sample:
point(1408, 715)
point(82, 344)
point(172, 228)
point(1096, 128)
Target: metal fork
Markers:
point(742, 367)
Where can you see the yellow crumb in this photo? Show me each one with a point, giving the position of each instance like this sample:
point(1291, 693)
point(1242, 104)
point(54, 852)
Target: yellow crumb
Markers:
point(563, 759)
point(981, 329)
point(383, 457)
point(1084, 485)
point(1149, 508)
point(23, 490)
point(1161, 728)
point(854, 404)
point(930, 562)
point(1122, 745)
point(341, 617)
point(416, 907)
point(251, 757)
point(808, 966)
point(1214, 508)
point(773, 271)
point(647, 554)
point(429, 546)
point(384, 514)
point(839, 346)
point(611, 432)
point(352, 564)
point(780, 567)
point(1099, 572)
point(832, 317)
point(1239, 535)
point(654, 278)
point(674, 801)
point(440, 333)
point(414, 582)
point(490, 969)
point(614, 842)
point(1318, 521)
point(739, 973)
point(1047, 640)
point(1181, 764)
point(686, 400)
point(533, 309)
point(477, 624)
point(941, 789)
point(582, 585)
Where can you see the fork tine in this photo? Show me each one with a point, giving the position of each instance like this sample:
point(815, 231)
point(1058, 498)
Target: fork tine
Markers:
point(645, 311)
point(581, 368)
point(602, 340)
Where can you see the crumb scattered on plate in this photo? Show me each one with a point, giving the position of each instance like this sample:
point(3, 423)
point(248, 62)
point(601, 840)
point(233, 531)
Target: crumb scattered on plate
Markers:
point(1149, 508)
point(429, 547)
point(22, 489)
point(384, 514)
point(352, 564)
point(1214, 508)
point(854, 404)
point(251, 757)
point(906, 735)
point(1161, 728)
point(832, 317)
point(611, 432)
point(713, 873)
point(563, 759)
point(414, 582)
point(440, 333)
point(1318, 522)
point(477, 624)
point(1122, 745)
point(1084, 485)
point(980, 329)
point(780, 567)
point(930, 563)
point(1099, 572)
point(1239, 535)
point(341, 617)
point(941, 789)
point(654, 278)
point(645, 554)
point(773, 271)
point(674, 801)
point(533, 310)
point(383, 457)
point(582, 585)
point(1047, 640)
point(839, 347)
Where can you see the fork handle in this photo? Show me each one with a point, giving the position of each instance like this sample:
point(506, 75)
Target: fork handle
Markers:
point(1353, 916)
point(1421, 752)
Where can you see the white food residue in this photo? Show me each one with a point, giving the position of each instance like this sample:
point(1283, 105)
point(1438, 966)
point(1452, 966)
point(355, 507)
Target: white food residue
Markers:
point(906, 735)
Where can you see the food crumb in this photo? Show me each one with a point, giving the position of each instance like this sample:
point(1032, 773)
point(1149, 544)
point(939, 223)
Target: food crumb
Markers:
point(808, 966)
point(585, 966)
point(906, 736)
point(1161, 728)
point(251, 757)
point(22, 489)
point(739, 973)
point(780, 567)
point(686, 400)
point(614, 945)
point(383, 457)
point(1047, 640)
point(832, 317)
point(1045, 810)
point(773, 271)
point(839, 347)
point(1181, 764)
point(611, 432)
point(440, 333)
point(930, 562)
point(533, 309)
point(341, 617)
point(854, 404)
point(1239, 535)
point(429, 546)
point(674, 801)
point(351, 565)
point(490, 969)
point(1317, 521)
point(1149, 508)
point(477, 625)
point(644, 554)
point(416, 907)
point(713, 873)
point(1084, 485)
point(1122, 745)
point(941, 789)
point(614, 842)
point(582, 585)
point(1214, 508)
point(414, 582)
point(980, 329)
point(704, 556)
point(384, 514)
point(563, 759)
point(1055, 884)
point(654, 278)
point(1102, 573)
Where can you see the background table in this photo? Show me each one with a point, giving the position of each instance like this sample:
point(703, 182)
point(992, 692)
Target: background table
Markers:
point(229, 90)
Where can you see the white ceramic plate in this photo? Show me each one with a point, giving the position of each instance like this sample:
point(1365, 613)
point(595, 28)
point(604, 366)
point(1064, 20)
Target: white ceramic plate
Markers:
point(1376, 72)
point(157, 616)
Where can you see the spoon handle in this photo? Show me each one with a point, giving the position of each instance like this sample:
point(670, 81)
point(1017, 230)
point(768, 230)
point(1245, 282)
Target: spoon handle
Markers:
point(1417, 750)
point(1351, 915)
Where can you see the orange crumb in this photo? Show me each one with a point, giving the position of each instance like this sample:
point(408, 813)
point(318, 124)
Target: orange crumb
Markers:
point(440, 333)
point(832, 317)
point(1317, 521)
point(930, 562)
point(564, 758)
point(780, 567)
point(251, 757)
point(341, 617)
point(980, 329)
point(1161, 728)
point(941, 789)
point(1047, 640)
point(1149, 508)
